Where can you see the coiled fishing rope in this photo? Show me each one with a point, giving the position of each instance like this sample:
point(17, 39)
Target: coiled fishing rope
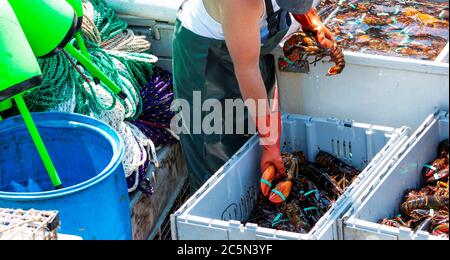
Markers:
point(158, 96)
point(69, 88)
point(109, 37)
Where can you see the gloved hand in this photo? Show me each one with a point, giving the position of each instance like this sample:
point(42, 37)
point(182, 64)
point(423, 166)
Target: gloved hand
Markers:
point(311, 22)
point(272, 165)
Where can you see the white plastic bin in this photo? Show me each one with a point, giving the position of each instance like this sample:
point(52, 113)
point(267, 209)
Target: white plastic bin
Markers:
point(379, 89)
point(219, 209)
point(159, 10)
point(384, 196)
point(373, 88)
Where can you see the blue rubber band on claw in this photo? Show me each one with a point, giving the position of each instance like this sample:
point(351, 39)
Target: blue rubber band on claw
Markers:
point(311, 192)
point(431, 167)
point(279, 194)
point(309, 209)
point(266, 182)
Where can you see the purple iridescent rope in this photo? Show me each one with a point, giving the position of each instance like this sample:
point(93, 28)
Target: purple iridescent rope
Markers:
point(157, 97)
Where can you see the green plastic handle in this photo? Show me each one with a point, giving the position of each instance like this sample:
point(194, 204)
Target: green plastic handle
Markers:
point(38, 142)
point(96, 72)
point(77, 6)
point(82, 45)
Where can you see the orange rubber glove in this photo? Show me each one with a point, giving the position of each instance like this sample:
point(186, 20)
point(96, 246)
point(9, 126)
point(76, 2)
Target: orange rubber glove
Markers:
point(311, 22)
point(272, 165)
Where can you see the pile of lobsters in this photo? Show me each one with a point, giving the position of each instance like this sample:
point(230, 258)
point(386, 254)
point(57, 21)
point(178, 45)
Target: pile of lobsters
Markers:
point(313, 188)
point(427, 209)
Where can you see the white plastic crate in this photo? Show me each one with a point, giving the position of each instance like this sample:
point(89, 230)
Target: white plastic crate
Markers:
point(219, 209)
point(380, 89)
point(384, 196)
point(17, 224)
point(159, 10)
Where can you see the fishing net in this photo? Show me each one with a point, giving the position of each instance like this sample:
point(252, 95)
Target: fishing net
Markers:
point(122, 56)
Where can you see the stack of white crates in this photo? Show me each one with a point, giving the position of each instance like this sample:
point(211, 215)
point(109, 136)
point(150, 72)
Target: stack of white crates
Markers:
point(220, 209)
point(385, 194)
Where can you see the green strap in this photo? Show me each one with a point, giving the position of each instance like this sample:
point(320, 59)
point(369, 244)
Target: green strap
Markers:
point(278, 217)
point(277, 220)
point(266, 182)
point(311, 192)
point(279, 194)
point(309, 209)
point(431, 167)
point(288, 61)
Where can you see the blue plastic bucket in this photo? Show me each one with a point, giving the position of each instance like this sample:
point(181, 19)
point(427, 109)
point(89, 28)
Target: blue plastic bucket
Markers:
point(88, 157)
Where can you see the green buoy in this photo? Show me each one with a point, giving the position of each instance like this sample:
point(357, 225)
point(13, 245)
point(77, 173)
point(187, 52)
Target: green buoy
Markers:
point(49, 26)
point(20, 72)
point(19, 69)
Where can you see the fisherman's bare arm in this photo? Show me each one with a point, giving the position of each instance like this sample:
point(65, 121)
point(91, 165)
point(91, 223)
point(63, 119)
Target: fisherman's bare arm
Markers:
point(240, 22)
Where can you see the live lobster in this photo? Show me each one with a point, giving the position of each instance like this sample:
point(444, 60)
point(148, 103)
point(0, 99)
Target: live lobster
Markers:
point(427, 209)
point(302, 45)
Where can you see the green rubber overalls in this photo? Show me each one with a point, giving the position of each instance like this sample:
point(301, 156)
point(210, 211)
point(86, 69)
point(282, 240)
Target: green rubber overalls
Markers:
point(205, 65)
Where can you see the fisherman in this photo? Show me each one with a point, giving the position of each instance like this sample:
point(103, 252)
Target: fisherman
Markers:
point(221, 49)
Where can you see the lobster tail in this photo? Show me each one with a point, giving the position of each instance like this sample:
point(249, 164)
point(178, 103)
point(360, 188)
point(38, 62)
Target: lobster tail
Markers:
point(337, 56)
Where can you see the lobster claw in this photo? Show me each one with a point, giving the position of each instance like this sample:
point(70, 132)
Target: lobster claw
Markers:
point(442, 228)
point(334, 71)
point(438, 176)
point(267, 179)
point(435, 167)
point(281, 192)
point(283, 63)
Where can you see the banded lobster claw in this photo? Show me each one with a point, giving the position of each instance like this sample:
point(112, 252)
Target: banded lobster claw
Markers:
point(281, 192)
point(441, 229)
point(435, 167)
point(268, 177)
point(442, 174)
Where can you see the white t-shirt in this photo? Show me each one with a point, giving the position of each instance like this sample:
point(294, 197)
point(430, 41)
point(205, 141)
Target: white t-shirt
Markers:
point(195, 18)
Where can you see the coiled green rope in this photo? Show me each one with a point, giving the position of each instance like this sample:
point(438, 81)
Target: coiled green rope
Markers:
point(106, 21)
point(62, 81)
point(120, 54)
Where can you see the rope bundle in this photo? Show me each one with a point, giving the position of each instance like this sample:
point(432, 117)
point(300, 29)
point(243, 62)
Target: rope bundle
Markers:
point(113, 33)
point(157, 98)
point(117, 52)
